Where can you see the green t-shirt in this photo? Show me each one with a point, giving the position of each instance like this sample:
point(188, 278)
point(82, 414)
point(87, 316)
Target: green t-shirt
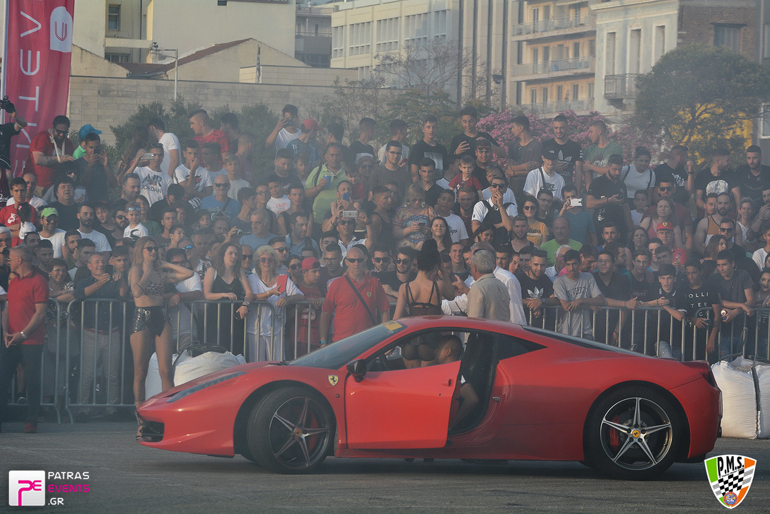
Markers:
point(324, 200)
point(551, 247)
point(599, 156)
point(79, 152)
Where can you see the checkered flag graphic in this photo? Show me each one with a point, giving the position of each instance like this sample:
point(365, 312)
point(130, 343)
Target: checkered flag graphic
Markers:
point(732, 482)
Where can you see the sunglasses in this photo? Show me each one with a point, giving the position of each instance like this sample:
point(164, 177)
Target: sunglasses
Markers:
point(346, 222)
point(381, 259)
point(265, 259)
point(350, 260)
point(529, 208)
point(134, 209)
point(151, 248)
point(726, 229)
point(665, 189)
point(188, 247)
point(222, 185)
point(61, 132)
point(403, 261)
point(120, 217)
point(295, 267)
point(497, 186)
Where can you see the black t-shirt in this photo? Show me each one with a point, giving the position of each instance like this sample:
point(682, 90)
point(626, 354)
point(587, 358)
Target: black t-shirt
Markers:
point(665, 318)
point(391, 278)
point(98, 189)
point(358, 150)
point(68, 215)
point(694, 299)
point(481, 174)
point(540, 288)
point(752, 186)
point(639, 288)
point(603, 187)
point(432, 194)
point(7, 131)
point(733, 290)
point(679, 177)
point(438, 153)
point(459, 138)
point(619, 287)
point(705, 178)
point(569, 153)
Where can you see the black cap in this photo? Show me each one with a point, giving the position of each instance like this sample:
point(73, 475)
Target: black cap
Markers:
point(550, 154)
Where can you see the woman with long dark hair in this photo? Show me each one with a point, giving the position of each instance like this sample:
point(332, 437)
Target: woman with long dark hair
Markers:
point(225, 281)
point(422, 297)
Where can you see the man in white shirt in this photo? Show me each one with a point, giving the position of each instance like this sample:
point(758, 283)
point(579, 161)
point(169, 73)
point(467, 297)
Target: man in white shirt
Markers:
point(186, 291)
point(285, 130)
point(86, 216)
point(34, 200)
point(201, 185)
point(443, 208)
point(171, 146)
point(212, 159)
point(545, 177)
point(500, 215)
point(50, 231)
point(154, 183)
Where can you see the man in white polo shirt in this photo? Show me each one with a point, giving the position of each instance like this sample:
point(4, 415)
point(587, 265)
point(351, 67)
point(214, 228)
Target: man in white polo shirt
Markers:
point(86, 216)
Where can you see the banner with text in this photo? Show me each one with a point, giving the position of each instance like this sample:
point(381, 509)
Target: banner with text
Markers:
point(36, 67)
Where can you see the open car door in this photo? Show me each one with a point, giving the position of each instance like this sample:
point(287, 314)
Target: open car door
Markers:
point(400, 409)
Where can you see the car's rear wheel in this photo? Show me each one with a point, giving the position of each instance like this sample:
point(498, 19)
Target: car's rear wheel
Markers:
point(290, 431)
point(634, 434)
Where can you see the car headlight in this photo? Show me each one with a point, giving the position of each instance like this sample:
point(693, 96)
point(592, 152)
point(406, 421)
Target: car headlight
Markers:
point(204, 385)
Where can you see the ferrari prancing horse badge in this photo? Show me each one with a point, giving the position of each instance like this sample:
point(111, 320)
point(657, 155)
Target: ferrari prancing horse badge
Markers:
point(333, 379)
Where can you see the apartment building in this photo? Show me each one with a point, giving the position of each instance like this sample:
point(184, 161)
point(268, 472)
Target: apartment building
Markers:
point(554, 55)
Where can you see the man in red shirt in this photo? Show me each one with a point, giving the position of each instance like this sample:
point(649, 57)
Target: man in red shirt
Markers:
point(350, 314)
point(9, 215)
point(314, 290)
point(47, 150)
point(24, 332)
point(200, 123)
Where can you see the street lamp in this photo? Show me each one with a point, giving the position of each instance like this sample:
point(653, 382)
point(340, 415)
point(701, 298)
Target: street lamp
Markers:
point(157, 52)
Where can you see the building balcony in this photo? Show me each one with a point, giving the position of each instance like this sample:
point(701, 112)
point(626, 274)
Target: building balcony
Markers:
point(314, 33)
point(620, 87)
point(553, 69)
point(552, 108)
point(555, 27)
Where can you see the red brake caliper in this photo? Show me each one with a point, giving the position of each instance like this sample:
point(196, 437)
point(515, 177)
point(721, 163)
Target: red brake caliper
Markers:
point(615, 435)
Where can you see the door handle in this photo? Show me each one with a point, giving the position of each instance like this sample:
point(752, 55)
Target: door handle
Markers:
point(448, 383)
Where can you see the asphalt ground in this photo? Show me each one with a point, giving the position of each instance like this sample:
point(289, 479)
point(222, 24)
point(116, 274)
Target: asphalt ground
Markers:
point(127, 477)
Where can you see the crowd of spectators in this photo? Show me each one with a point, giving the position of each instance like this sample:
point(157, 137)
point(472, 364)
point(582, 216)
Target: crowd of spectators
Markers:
point(355, 233)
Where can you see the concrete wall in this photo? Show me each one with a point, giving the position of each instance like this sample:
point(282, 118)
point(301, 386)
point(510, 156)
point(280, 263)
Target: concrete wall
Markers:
point(698, 19)
point(104, 101)
point(90, 64)
point(297, 76)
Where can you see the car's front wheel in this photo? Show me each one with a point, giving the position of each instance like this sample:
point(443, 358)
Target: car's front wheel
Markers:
point(634, 434)
point(290, 431)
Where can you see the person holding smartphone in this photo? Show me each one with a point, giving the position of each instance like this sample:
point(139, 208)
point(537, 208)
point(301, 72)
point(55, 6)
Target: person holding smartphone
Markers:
point(583, 229)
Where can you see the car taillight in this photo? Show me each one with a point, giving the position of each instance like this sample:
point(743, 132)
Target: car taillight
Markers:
point(705, 370)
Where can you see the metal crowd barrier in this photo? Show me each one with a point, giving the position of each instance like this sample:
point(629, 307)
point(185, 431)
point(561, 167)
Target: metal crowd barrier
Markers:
point(653, 331)
point(85, 368)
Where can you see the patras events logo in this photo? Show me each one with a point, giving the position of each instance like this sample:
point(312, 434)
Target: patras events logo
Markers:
point(28, 488)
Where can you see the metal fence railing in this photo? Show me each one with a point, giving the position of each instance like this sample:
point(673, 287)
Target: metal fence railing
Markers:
point(87, 360)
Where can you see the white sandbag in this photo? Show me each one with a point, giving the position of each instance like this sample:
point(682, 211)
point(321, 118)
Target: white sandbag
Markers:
point(189, 368)
point(763, 383)
point(739, 398)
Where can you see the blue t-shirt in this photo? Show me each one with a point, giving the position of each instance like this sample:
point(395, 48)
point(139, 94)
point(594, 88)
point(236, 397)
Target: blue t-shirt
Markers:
point(230, 207)
point(255, 242)
point(581, 225)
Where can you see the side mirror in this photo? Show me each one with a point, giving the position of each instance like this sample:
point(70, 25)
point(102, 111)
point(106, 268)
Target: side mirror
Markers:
point(357, 369)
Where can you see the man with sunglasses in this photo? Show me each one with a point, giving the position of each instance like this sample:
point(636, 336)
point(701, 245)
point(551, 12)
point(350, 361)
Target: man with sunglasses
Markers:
point(345, 301)
point(347, 237)
point(496, 212)
point(381, 259)
point(279, 245)
point(47, 150)
point(220, 202)
point(393, 280)
point(154, 183)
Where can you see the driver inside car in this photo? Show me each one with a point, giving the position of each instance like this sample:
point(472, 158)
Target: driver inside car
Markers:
point(449, 349)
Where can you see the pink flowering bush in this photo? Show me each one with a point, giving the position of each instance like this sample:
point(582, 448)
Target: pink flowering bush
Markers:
point(499, 126)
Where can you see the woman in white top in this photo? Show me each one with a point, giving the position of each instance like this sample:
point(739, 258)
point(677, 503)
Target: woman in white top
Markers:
point(279, 291)
point(638, 175)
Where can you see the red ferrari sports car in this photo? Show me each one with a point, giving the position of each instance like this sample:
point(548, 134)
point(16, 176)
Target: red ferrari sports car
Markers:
point(536, 395)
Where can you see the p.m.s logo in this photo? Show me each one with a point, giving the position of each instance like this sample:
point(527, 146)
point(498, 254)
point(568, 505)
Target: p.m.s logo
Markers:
point(730, 477)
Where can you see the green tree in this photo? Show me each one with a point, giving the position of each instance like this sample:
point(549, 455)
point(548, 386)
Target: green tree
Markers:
point(702, 97)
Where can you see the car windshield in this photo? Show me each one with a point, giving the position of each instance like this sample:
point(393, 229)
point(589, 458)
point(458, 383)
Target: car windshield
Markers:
point(338, 354)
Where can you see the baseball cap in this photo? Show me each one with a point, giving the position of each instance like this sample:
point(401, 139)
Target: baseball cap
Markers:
point(49, 211)
point(310, 124)
point(666, 225)
point(310, 263)
point(550, 154)
point(87, 129)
